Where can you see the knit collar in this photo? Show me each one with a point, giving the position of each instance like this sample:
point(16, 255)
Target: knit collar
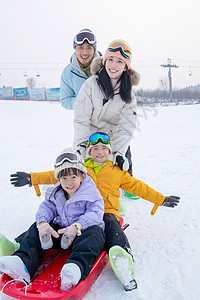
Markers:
point(85, 70)
point(89, 162)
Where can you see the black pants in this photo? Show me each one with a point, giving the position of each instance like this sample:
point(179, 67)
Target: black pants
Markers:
point(114, 233)
point(128, 156)
point(86, 248)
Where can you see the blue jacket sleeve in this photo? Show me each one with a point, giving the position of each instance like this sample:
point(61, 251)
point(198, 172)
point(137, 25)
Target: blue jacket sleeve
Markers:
point(67, 94)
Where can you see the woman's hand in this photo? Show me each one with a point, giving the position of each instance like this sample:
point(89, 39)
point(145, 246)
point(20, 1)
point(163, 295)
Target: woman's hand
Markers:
point(121, 161)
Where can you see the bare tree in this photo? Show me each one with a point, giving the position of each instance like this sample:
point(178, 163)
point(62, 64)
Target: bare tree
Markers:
point(31, 82)
point(164, 83)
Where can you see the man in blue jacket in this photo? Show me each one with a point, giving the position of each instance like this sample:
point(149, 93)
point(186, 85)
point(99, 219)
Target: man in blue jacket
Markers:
point(75, 74)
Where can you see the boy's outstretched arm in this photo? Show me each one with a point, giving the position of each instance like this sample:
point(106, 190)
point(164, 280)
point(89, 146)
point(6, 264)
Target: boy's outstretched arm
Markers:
point(141, 189)
point(33, 179)
point(169, 201)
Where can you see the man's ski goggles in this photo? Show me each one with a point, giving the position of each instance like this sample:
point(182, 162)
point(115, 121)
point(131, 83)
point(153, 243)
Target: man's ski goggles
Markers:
point(69, 157)
point(122, 46)
point(81, 37)
point(97, 137)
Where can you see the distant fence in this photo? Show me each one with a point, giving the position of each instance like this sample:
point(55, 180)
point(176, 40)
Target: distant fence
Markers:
point(35, 94)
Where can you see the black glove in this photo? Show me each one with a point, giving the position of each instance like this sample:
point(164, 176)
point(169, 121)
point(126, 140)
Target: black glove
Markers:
point(20, 179)
point(171, 201)
point(122, 162)
point(81, 149)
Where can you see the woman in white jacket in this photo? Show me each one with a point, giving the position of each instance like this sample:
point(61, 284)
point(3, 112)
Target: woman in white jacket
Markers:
point(106, 102)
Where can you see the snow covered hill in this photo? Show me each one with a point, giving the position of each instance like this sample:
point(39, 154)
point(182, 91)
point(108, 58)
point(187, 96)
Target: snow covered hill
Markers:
point(165, 151)
point(192, 88)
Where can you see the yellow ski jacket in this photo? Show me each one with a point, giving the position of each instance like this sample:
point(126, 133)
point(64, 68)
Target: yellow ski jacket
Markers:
point(108, 181)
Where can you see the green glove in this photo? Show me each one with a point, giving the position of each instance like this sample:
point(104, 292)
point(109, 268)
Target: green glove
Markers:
point(171, 201)
point(20, 179)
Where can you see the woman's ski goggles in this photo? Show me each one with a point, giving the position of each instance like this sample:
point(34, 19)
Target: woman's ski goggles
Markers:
point(81, 37)
point(122, 46)
point(69, 157)
point(97, 137)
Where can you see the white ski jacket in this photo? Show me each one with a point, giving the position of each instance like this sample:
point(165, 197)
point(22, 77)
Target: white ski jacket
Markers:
point(116, 117)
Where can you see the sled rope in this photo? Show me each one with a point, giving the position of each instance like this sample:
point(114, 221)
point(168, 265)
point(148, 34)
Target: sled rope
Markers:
point(23, 281)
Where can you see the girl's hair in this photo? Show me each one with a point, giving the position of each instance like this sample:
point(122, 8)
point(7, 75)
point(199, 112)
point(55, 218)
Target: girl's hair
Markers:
point(67, 172)
point(70, 171)
point(106, 85)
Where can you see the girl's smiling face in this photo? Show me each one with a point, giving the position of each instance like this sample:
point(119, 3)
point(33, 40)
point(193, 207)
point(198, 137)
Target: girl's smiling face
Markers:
point(70, 183)
point(115, 67)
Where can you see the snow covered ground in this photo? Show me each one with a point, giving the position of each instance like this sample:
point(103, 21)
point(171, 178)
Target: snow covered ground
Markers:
point(165, 151)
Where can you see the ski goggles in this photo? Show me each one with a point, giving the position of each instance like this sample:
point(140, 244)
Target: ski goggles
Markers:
point(122, 46)
point(97, 137)
point(87, 36)
point(69, 157)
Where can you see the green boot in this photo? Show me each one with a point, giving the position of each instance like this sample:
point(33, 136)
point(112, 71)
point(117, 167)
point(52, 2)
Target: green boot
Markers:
point(7, 247)
point(122, 264)
point(122, 208)
point(131, 196)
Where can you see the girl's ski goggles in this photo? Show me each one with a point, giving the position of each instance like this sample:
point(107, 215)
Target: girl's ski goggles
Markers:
point(122, 46)
point(81, 37)
point(68, 156)
point(97, 137)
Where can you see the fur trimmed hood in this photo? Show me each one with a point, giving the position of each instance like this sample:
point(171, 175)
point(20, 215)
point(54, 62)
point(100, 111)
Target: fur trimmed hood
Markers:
point(97, 64)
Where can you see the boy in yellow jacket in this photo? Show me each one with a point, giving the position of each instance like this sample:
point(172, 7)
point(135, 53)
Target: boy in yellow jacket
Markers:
point(109, 179)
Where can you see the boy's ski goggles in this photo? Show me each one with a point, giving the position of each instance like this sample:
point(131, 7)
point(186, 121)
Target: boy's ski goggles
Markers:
point(122, 46)
point(81, 37)
point(97, 137)
point(68, 156)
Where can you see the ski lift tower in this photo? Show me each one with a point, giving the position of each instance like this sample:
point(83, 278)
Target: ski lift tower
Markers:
point(169, 65)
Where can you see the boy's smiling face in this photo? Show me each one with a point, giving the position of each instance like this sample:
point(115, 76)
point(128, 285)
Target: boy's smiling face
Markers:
point(100, 153)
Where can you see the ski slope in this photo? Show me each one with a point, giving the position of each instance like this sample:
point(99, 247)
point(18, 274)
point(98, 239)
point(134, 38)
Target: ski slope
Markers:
point(166, 156)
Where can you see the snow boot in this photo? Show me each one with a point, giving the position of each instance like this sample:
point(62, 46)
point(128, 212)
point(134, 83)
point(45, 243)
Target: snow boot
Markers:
point(14, 267)
point(70, 276)
point(7, 247)
point(122, 208)
point(122, 264)
point(130, 196)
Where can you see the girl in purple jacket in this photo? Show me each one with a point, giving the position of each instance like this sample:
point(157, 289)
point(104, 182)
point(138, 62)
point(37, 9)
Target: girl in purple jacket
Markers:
point(70, 215)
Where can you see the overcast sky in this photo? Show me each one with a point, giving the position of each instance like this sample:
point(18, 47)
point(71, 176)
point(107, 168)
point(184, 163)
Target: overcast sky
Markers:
point(36, 36)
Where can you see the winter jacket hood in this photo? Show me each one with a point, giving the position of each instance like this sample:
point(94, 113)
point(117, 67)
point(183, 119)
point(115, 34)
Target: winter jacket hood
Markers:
point(72, 79)
point(97, 64)
point(93, 112)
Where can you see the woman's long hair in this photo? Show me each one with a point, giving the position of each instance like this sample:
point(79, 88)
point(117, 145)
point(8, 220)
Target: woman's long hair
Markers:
point(106, 85)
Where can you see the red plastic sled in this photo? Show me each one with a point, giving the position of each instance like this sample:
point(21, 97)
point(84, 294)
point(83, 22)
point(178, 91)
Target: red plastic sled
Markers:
point(46, 284)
